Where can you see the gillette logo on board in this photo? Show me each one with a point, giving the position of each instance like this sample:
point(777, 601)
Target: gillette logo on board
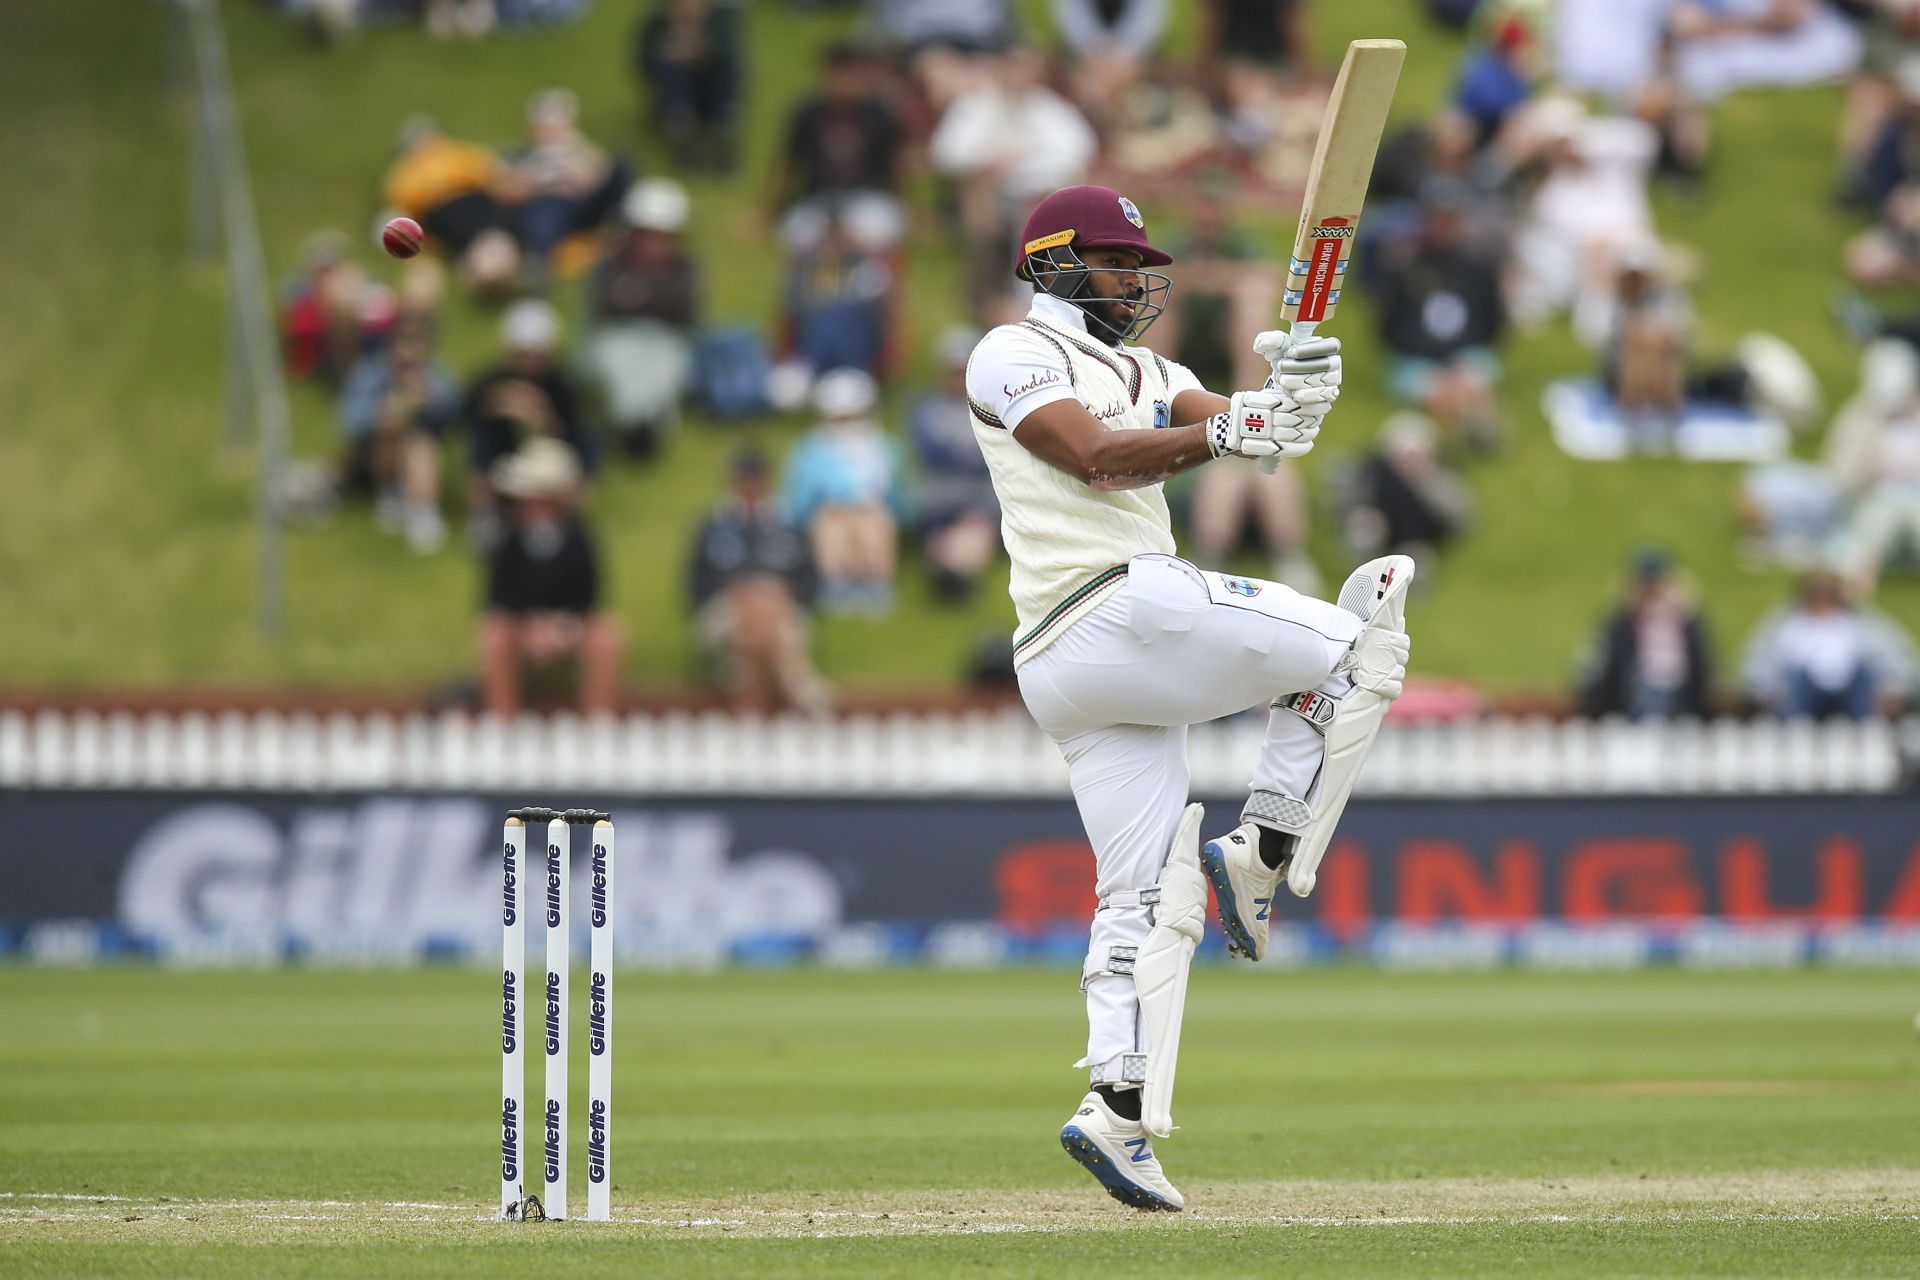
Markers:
point(599, 885)
point(597, 1015)
point(509, 890)
point(553, 1139)
point(553, 886)
point(597, 1141)
point(553, 1013)
point(509, 1006)
point(509, 1140)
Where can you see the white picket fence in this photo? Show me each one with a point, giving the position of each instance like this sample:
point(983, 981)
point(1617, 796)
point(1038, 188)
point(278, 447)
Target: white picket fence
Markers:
point(987, 754)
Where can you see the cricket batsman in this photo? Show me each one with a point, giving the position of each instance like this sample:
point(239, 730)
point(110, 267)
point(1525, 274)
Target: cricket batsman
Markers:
point(1122, 644)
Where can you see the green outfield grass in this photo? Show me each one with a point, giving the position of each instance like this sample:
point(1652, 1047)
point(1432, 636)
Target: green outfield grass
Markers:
point(126, 547)
point(830, 1124)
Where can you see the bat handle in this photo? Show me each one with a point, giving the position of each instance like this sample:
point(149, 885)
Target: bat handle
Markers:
point(1299, 331)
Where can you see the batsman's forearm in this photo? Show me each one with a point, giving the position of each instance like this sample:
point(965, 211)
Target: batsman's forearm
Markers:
point(1132, 459)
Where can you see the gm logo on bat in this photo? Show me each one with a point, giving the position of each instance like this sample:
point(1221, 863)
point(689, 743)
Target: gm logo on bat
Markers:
point(1333, 233)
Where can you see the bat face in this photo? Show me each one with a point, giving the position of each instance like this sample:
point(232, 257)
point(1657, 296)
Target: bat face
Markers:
point(1337, 183)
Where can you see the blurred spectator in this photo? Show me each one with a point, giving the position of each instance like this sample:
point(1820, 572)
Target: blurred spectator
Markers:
point(1235, 503)
point(525, 396)
point(1441, 316)
point(1880, 92)
point(395, 408)
point(543, 602)
point(1228, 288)
point(455, 191)
point(1004, 145)
point(1724, 45)
point(644, 303)
point(689, 55)
point(1651, 660)
point(1826, 657)
point(1887, 182)
point(1647, 348)
point(752, 583)
point(1273, 33)
point(1873, 456)
point(1108, 44)
point(845, 140)
point(1590, 204)
point(331, 312)
point(841, 275)
point(1499, 74)
point(566, 183)
point(964, 26)
point(1404, 501)
point(469, 18)
point(844, 486)
point(959, 515)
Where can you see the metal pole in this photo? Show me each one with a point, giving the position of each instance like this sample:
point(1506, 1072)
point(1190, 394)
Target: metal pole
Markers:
point(247, 280)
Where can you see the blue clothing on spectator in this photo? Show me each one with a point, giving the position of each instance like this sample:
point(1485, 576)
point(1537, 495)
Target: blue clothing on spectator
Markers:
point(843, 467)
point(371, 381)
point(1488, 90)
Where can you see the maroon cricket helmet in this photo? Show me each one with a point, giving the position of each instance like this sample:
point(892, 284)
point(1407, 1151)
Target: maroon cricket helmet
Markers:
point(1087, 218)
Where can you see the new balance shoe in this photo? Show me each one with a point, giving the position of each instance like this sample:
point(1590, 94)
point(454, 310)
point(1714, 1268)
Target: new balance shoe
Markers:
point(1117, 1151)
point(1243, 888)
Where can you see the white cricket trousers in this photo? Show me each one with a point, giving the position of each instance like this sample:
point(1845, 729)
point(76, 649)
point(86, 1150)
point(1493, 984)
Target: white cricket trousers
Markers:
point(1174, 646)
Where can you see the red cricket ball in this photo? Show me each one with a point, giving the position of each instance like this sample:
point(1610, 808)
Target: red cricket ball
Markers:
point(402, 237)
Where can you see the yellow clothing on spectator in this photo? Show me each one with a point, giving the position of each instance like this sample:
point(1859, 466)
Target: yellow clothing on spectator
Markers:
point(437, 171)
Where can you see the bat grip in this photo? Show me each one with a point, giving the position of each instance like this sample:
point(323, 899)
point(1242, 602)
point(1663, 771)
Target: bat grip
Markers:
point(1299, 331)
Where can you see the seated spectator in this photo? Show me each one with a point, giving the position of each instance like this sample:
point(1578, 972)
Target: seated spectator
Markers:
point(331, 313)
point(1108, 44)
point(644, 303)
point(844, 486)
point(1499, 75)
point(959, 515)
point(469, 19)
point(1826, 657)
point(395, 408)
point(689, 58)
point(1441, 315)
point(842, 269)
point(1873, 456)
point(566, 183)
point(1403, 500)
point(844, 141)
point(1724, 45)
point(1655, 376)
point(1878, 95)
point(1229, 286)
point(1651, 659)
point(1004, 145)
point(544, 595)
point(1589, 204)
point(1887, 183)
point(525, 396)
point(964, 26)
point(1624, 50)
point(1235, 504)
point(752, 583)
point(1273, 33)
point(458, 193)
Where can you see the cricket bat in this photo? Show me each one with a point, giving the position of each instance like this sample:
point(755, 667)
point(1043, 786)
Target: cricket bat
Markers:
point(1337, 185)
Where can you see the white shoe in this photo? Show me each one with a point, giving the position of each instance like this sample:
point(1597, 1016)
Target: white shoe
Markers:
point(1117, 1152)
point(1243, 887)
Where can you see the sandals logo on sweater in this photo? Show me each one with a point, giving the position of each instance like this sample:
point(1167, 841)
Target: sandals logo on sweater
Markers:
point(1241, 587)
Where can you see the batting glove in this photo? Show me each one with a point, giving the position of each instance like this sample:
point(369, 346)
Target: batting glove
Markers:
point(1265, 424)
point(1308, 371)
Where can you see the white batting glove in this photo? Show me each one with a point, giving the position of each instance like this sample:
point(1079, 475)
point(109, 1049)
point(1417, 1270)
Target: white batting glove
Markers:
point(1265, 424)
point(1308, 371)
